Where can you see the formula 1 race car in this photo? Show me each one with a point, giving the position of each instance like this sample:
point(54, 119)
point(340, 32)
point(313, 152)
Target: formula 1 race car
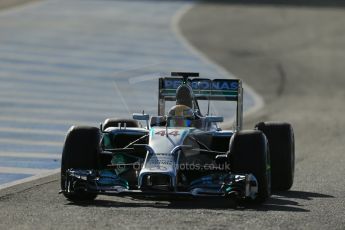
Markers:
point(180, 154)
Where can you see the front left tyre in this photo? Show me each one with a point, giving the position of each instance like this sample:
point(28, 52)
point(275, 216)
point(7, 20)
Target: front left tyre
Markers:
point(249, 153)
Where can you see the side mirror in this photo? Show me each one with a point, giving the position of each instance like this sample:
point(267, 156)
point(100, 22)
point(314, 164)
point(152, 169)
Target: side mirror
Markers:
point(141, 117)
point(214, 119)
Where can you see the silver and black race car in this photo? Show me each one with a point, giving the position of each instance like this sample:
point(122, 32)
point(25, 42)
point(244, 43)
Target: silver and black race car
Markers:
point(181, 153)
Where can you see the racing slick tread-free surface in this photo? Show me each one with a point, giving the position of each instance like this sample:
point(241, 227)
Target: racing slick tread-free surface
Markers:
point(282, 153)
point(249, 154)
point(80, 151)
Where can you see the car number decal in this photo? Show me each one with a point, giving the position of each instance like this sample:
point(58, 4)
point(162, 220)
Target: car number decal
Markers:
point(172, 133)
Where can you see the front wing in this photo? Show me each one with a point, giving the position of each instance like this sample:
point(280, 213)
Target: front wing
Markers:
point(106, 182)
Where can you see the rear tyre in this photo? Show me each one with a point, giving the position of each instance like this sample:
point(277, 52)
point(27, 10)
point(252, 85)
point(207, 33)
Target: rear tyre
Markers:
point(282, 153)
point(80, 151)
point(249, 154)
point(114, 122)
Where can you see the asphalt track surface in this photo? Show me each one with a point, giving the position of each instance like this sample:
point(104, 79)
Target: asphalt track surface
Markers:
point(293, 56)
point(66, 63)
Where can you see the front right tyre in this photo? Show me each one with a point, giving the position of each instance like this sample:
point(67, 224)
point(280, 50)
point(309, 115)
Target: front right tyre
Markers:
point(80, 151)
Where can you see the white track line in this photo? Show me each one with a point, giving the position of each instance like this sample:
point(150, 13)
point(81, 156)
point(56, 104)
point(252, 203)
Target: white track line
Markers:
point(39, 120)
point(15, 170)
point(27, 142)
point(31, 155)
point(28, 179)
point(32, 131)
point(258, 100)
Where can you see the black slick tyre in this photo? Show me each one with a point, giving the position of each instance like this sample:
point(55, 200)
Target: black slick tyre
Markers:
point(80, 151)
point(282, 153)
point(249, 153)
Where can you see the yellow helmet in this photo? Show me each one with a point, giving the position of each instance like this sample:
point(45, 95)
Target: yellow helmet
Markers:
point(180, 116)
point(181, 111)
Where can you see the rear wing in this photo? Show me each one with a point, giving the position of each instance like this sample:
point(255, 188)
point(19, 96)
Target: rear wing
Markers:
point(204, 89)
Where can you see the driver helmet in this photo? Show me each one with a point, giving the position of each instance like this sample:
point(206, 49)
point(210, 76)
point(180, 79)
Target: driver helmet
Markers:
point(184, 96)
point(180, 116)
